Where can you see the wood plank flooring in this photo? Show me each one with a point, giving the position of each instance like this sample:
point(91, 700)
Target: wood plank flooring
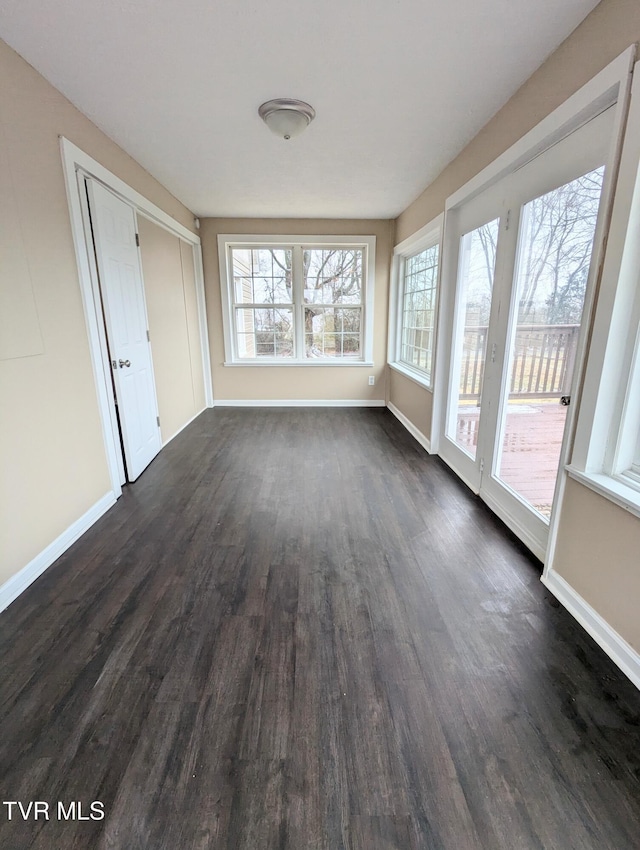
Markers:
point(297, 631)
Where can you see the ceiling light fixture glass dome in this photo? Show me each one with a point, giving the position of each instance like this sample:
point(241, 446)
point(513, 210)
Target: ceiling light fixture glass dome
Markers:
point(286, 117)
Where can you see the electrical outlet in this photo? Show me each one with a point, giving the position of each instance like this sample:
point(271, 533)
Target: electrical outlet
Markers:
point(372, 380)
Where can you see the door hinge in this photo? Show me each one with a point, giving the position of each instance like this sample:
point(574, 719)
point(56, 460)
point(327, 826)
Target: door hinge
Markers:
point(493, 352)
point(507, 221)
point(158, 420)
point(481, 465)
point(148, 337)
point(137, 240)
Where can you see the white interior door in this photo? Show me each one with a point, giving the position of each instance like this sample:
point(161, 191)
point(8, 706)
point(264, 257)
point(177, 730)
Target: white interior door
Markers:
point(117, 257)
point(522, 274)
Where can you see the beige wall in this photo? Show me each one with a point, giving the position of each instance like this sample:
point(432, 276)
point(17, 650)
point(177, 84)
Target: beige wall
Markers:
point(598, 553)
point(296, 382)
point(52, 452)
point(604, 34)
point(173, 325)
point(598, 542)
point(414, 401)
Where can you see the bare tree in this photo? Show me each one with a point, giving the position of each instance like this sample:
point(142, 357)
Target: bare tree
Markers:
point(488, 235)
point(557, 251)
point(333, 281)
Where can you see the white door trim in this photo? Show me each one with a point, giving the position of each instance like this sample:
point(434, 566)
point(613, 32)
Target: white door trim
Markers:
point(105, 365)
point(610, 86)
point(73, 157)
point(75, 160)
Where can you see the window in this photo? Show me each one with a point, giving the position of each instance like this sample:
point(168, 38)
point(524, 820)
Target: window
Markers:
point(263, 301)
point(623, 462)
point(607, 453)
point(634, 469)
point(606, 456)
point(332, 302)
point(420, 275)
point(293, 300)
point(412, 329)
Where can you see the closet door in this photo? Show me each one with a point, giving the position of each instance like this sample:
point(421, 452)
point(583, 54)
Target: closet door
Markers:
point(114, 232)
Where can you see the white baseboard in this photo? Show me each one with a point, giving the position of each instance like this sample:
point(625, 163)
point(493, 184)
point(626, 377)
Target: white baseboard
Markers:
point(411, 428)
point(521, 531)
point(186, 424)
point(19, 582)
point(615, 646)
point(460, 474)
point(299, 402)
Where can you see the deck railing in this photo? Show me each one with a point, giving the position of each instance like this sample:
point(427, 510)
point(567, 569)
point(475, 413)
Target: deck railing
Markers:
point(542, 366)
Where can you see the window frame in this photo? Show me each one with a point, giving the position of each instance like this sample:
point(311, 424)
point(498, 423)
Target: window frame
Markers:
point(427, 237)
point(297, 243)
point(606, 455)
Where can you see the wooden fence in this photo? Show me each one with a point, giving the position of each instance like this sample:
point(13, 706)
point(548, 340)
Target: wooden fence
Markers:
point(543, 361)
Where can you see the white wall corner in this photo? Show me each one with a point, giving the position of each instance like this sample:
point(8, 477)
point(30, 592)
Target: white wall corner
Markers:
point(411, 428)
point(616, 647)
point(19, 582)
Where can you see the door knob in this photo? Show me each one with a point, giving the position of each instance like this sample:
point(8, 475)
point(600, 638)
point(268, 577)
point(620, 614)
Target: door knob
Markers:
point(124, 363)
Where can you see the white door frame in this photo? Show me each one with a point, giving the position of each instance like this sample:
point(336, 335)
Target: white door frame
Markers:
point(611, 87)
point(75, 161)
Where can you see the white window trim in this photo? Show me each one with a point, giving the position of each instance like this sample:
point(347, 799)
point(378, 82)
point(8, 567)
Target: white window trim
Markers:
point(226, 241)
point(609, 419)
point(427, 237)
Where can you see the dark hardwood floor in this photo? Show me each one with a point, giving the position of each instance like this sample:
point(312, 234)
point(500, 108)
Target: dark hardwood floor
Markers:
point(297, 631)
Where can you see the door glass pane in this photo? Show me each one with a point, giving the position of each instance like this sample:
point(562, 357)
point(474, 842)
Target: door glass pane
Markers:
point(556, 238)
point(475, 285)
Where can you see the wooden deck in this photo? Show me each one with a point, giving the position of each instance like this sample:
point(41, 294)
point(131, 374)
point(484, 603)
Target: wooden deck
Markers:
point(530, 448)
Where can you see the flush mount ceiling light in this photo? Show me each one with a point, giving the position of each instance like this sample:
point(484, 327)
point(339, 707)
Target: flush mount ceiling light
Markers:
point(285, 117)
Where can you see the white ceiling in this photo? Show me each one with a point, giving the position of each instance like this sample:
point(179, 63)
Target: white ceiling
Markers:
point(399, 87)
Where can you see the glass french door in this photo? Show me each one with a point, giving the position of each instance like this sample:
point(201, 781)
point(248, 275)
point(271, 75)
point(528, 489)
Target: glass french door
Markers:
point(556, 236)
point(475, 291)
point(524, 251)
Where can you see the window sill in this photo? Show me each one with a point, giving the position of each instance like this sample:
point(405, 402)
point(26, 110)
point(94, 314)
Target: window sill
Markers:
point(412, 374)
point(304, 363)
point(613, 489)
